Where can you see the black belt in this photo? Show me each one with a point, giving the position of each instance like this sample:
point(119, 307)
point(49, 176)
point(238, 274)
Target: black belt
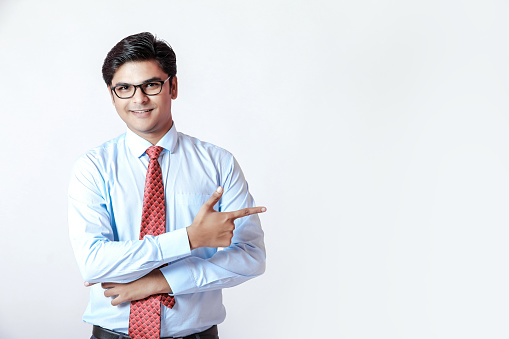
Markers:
point(103, 333)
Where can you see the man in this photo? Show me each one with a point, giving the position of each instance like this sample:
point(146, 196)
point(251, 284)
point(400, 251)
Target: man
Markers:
point(159, 221)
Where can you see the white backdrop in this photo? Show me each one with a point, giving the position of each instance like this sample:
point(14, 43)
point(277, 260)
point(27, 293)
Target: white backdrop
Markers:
point(375, 132)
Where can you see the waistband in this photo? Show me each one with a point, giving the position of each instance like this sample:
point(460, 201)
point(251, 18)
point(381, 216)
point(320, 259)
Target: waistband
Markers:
point(103, 333)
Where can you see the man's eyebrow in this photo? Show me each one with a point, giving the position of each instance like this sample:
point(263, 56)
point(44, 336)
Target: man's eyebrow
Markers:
point(144, 82)
point(152, 79)
point(120, 84)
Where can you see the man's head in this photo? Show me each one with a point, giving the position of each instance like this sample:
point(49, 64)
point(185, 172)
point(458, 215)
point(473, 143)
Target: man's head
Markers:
point(139, 47)
point(140, 74)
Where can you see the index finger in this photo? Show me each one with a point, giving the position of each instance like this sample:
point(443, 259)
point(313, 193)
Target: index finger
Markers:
point(247, 211)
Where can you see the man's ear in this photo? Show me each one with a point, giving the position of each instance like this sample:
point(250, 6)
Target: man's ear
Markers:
point(174, 87)
point(112, 95)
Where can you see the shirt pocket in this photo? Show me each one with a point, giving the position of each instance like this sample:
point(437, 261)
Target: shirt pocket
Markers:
point(187, 206)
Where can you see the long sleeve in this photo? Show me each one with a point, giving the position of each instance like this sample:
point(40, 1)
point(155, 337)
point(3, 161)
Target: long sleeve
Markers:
point(242, 260)
point(100, 255)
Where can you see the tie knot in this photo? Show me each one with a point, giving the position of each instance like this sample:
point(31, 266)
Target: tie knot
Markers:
point(153, 152)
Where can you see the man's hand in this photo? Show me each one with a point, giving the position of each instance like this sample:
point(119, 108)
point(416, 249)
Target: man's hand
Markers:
point(152, 283)
point(211, 228)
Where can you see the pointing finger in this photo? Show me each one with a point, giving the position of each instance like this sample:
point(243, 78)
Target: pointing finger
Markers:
point(247, 211)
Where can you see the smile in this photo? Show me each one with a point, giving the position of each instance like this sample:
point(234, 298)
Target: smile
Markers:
point(141, 112)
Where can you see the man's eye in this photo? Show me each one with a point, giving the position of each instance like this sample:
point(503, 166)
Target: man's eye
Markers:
point(151, 84)
point(125, 88)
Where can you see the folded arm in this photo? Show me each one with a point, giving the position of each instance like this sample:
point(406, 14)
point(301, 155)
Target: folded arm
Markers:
point(211, 227)
point(100, 256)
point(208, 269)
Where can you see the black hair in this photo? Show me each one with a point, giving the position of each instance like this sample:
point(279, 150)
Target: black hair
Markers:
point(139, 47)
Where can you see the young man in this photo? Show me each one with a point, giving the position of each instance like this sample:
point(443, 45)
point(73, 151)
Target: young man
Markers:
point(150, 210)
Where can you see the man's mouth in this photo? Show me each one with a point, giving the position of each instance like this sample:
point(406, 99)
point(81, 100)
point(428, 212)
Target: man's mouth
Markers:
point(141, 111)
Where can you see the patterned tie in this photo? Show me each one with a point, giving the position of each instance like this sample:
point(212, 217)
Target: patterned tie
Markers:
point(145, 316)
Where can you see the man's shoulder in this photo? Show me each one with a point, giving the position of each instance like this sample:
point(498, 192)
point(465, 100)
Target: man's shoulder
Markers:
point(105, 151)
point(110, 145)
point(193, 144)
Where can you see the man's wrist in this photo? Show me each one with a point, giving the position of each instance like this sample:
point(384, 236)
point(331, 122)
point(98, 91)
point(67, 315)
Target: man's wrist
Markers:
point(191, 236)
point(162, 285)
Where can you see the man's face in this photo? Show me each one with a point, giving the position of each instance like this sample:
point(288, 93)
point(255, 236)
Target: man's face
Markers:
point(147, 116)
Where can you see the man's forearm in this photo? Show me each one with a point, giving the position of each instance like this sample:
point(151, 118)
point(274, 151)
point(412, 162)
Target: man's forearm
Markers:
point(120, 261)
point(152, 283)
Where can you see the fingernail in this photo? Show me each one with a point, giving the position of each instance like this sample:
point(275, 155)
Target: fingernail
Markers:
point(263, 209)
point(219, 189)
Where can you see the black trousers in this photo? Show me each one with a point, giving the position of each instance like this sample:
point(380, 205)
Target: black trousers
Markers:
point(210, 333)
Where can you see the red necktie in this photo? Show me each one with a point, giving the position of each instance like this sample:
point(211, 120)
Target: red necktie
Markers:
point(145, 316)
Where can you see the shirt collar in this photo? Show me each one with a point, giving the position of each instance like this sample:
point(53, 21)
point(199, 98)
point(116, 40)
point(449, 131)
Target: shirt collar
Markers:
point(138, 145)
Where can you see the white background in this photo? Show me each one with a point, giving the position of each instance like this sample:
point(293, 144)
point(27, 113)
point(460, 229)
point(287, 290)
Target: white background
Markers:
point(375, 132)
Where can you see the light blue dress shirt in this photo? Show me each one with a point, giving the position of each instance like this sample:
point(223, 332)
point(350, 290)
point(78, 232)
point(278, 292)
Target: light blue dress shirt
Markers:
point(105, 206)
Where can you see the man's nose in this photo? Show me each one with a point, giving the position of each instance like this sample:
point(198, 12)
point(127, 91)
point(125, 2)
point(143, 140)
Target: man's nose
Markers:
point(139, 96)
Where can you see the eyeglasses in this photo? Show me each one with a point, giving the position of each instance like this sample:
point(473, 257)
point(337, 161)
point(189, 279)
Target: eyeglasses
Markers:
point(127, 91)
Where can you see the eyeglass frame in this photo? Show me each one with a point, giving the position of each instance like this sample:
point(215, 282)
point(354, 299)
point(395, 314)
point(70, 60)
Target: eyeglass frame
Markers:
point(141, 88)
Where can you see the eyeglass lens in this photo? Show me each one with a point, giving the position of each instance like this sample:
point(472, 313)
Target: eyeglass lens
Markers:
point(127, 91)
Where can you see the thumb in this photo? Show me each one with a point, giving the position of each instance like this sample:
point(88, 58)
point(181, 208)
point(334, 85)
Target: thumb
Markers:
point(214, 198)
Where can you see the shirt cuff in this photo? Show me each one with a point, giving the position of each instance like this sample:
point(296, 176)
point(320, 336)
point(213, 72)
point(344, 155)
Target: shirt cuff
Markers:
point(180, 277)
point(174, 245)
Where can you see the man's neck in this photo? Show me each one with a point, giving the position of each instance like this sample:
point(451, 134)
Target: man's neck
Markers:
point(153, 138)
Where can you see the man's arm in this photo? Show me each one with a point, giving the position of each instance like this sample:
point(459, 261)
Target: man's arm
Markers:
point(152, 283)
point(100, 256)
point(210, 269)
point(209, 229)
